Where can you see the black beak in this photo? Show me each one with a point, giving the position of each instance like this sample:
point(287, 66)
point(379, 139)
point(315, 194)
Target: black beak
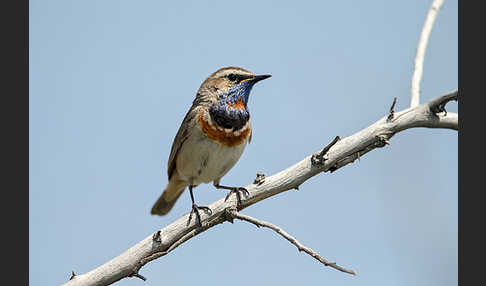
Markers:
point(258, 78)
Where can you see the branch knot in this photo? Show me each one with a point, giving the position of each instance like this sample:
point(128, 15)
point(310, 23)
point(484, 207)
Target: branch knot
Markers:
point(260, 179)
point(382, 140)
point(229, 214)
point(156, 237)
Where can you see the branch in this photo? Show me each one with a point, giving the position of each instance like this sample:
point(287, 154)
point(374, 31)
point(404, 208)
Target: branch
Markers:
point(421, 48)
point(343, 152)
point(234, 214)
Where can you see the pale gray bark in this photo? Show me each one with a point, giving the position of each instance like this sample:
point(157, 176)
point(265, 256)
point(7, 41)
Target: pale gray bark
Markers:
point(343, 152)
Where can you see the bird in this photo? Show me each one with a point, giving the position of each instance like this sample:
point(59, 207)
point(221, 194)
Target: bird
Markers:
point(211, 138)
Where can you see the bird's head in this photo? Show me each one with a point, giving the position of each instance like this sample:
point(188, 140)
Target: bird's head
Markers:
point(231, 86)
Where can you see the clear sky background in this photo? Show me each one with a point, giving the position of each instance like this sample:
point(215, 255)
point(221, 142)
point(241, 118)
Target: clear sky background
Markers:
point(110, 82)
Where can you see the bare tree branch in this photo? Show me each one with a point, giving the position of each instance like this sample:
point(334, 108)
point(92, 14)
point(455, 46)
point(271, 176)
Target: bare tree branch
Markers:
point(334, 156)
point(343, 152)
point(234, 214)
point(421, 48)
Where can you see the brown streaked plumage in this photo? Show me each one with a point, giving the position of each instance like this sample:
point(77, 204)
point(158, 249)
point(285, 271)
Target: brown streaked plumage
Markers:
point(203, 150)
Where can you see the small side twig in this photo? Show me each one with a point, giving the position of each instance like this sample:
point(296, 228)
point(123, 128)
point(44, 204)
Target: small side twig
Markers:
point(318, 158)
point(138, 276)
point(259, 223)
point(171, 247)
point(392, 109)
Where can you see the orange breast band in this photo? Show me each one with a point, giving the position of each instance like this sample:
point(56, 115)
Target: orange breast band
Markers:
point(224, 136)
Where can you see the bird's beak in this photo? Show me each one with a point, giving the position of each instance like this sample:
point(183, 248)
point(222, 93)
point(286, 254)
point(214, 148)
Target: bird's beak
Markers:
point(258, 78)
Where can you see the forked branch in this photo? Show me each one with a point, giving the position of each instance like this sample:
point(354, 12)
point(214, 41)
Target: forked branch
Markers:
point(234, 214)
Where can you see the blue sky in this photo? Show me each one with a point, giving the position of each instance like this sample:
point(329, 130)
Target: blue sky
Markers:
point(110, 82)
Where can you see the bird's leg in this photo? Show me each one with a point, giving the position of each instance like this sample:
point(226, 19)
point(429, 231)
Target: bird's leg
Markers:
point(196, 208)
point(235, 190)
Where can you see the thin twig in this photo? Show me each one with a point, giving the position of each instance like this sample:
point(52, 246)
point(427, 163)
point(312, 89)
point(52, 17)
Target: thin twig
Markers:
point(234, 214)
point(421, 48)
point(392, 109)
point(139, 276)
point(318, 158)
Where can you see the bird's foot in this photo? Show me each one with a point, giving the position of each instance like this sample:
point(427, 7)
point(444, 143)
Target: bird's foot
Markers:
point(195, 209)
point(236, 191)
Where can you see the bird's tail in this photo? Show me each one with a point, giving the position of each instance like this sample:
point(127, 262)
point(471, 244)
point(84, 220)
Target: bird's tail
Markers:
point(168, 198)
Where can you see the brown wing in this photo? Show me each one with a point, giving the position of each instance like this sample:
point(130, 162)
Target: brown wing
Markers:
point(179, 139)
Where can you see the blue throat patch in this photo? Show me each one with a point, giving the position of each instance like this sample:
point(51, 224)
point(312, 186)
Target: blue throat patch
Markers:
point(226, 113)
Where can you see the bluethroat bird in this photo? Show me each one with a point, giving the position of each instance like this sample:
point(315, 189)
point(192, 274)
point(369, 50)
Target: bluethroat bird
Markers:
point(211, 138)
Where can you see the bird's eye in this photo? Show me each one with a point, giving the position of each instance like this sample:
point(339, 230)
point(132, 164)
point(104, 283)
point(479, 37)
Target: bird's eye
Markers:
point(232, 77)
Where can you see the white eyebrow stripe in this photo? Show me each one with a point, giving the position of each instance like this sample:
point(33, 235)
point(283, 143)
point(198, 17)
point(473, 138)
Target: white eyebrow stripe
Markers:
point(227, 71)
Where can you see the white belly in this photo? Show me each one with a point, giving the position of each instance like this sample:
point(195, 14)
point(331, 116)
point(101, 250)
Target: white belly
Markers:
point(202, 160)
